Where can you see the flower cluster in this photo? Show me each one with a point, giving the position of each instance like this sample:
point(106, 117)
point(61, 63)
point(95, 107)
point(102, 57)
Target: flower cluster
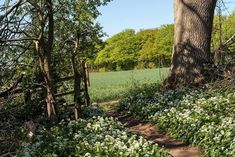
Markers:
point(95, 137)
point(203, 117)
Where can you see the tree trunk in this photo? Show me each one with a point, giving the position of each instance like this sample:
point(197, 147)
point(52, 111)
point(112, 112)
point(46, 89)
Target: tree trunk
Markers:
point(77, 88)
point(44, 49)
point(87, 75)
point(85, 81)
point(192, 37)
point(45, 65)
point(48, 78)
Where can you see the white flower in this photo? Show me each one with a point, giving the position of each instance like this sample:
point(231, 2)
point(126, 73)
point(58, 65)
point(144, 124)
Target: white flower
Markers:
point(87, 155)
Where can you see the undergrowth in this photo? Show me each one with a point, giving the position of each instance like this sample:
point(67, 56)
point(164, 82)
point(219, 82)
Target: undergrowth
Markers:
point(95, 137)
point(204, 117)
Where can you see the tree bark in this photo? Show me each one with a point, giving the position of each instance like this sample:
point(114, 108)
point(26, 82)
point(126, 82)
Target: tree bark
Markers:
point(44, 49)
point(77, 88)
point(85, 82)
point(48, 78)
point(192, 37)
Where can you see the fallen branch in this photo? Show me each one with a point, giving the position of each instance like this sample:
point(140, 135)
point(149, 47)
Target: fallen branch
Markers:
point(11, 89)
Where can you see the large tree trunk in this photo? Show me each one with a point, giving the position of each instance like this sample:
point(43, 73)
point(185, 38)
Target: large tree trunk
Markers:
point(192, 37)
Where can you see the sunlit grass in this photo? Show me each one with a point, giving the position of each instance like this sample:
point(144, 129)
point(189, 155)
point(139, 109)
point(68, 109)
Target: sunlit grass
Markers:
point(107, 86)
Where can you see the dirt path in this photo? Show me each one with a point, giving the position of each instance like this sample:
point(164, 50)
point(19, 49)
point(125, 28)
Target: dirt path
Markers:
point(150, 132)
point(109, 103)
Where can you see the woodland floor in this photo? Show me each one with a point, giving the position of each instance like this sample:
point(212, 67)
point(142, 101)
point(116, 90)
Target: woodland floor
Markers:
point(150, 132)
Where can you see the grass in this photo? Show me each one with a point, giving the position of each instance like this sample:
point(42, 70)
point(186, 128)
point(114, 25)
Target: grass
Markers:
point(107, 86)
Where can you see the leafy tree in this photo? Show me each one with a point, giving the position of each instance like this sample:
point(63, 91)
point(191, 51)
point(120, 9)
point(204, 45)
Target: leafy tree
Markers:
point(215, 43)
point(163, 43)
point(229, 30)
point(46, 27)
point(222, 31)
point(158, 47)
point(34, 22)
point(120, 51)
point(147, 48)
point(144, 35)
point(79, 35)
point(144, 49)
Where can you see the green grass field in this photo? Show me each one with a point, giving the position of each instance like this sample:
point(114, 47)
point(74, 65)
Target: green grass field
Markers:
point(106, 86)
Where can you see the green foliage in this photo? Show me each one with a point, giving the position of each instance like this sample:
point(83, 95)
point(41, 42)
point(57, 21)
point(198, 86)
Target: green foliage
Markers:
point(71, 18)
point(120, 51)
point(144, 49)
point(227, 31)
point(87, 138)
point(76, 23)
point(146, 52)
point(203, 117)
point(159, 47)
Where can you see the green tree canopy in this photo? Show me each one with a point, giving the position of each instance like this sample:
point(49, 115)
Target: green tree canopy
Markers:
point(158, 48)
point(120, 52)
point(144, 49)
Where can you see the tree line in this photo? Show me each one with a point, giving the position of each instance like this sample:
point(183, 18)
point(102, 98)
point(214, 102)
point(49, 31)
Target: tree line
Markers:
point(152, 48)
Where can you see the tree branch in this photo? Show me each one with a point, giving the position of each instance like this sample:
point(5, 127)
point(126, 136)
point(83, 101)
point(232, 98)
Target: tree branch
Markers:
point(230, 41)
point(19, 3)
point(14, 40)
point(8, 91)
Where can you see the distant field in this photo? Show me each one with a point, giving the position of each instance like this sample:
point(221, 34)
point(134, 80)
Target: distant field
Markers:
point(107, 86)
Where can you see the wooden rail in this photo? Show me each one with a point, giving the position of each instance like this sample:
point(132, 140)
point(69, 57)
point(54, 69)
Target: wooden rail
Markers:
point(13, 90)
point(64, 94)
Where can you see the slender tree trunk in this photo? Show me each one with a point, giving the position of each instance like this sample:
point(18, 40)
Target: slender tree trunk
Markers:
point(45, 61)
point(85, 81)
point(87, 75)
point(192, 38)
point(44, 49)
point(77, 88)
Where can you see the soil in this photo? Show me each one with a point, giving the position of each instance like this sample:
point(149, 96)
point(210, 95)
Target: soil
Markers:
point(150, 132)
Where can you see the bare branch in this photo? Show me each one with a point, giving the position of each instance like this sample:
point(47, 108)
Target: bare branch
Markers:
point(19, 3)
point(14, 40)
point(36, 6)
point(230, 41)
point(8, 91)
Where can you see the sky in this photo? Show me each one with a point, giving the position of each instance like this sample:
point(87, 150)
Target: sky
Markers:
point(136, 14)
point(139, 14)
